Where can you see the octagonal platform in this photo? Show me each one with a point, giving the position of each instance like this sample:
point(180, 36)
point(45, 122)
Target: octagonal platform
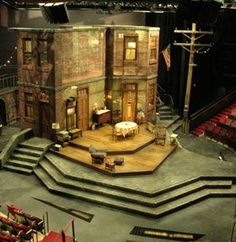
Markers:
point(141, 154)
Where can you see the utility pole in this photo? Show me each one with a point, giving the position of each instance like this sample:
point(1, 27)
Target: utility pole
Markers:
point(192, 47)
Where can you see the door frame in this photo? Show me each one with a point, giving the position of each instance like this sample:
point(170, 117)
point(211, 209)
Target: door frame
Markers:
point(124, 89)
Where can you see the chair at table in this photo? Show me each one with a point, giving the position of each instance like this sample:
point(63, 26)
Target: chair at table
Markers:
point(116, 134)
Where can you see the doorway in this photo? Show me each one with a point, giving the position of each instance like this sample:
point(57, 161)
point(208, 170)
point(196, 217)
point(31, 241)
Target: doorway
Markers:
point(129, 102)
point(3, 118)
point(45, 120)
point(82, 112)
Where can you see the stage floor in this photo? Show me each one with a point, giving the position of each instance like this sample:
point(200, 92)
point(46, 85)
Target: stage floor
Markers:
point(141, 155)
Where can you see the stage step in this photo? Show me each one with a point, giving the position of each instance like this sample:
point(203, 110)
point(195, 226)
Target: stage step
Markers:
point(158, 211)
point(27, 155)
point(149, 199)
point(165, 113)
point(29, 151)
point(19, 163)
point(18, 169)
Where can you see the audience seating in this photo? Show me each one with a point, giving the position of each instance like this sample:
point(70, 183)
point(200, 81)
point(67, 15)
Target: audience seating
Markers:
point(221, 127)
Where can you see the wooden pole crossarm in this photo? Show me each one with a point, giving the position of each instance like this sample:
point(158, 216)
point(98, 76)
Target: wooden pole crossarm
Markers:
point(192, 32)
point(191, 44)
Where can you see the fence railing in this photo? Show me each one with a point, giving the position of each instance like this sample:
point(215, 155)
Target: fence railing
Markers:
point(7, 81)
point(165, 98)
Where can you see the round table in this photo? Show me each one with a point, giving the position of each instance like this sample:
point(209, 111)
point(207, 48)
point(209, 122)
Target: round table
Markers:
point(127, 127)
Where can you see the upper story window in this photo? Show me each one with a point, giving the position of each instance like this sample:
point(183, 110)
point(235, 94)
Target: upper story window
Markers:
point(29, 105)
point(27, 51)
point(130, 48)
point(42, 52)
point(153, 48)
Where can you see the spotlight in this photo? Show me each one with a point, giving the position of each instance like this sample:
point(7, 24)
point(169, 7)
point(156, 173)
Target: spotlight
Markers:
point(55, 13)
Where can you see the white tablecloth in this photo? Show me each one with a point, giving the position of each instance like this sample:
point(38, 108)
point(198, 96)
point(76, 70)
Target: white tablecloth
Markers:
point(126, 127)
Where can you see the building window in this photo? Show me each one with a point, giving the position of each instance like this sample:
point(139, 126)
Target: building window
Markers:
point(153, 48)
point(27, 51)
point(29, 105)
point(42, 52)
point(151, 96)
point(130, 48)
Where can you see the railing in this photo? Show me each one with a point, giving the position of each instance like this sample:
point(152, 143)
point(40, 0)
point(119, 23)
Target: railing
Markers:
point(165, 98)
point(211, 109)
point(7, 81)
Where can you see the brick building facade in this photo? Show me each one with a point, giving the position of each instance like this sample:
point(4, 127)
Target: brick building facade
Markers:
point(132, 62)
point(64, 72)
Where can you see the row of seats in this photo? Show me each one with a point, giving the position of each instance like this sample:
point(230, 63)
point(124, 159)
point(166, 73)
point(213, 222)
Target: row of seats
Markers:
point(221, 127)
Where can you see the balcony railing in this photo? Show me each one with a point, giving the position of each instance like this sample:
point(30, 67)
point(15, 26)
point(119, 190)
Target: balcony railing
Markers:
point(7, 81)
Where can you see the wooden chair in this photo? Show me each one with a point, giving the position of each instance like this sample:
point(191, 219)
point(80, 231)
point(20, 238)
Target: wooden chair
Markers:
point(160, 135)
point(116, 135)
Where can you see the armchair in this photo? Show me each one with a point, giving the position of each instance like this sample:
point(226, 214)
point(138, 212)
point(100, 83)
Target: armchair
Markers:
point(98, 155)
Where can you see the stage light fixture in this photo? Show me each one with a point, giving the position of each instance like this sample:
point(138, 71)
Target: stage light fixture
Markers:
point(55, 13)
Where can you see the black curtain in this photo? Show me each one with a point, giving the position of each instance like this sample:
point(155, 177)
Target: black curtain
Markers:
point(167, 79)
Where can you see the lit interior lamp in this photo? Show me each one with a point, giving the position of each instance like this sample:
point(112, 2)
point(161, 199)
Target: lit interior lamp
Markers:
point(56, 126)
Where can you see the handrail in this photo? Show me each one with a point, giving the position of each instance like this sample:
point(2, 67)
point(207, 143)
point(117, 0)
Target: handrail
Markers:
point(212, 108)
point(7, 81)
point(165, 98)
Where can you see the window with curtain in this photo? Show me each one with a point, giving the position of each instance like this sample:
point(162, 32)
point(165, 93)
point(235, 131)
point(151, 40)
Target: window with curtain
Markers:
point(153, 48)
point(130, 48)
point(27, 51)
point(29, 105)
point(42, 52)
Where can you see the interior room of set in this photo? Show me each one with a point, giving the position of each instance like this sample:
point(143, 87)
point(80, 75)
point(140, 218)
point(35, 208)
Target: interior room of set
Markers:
point(117, 111)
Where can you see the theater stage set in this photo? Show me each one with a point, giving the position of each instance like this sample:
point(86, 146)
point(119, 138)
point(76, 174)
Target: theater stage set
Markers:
point(138, 152)
point(184, 178)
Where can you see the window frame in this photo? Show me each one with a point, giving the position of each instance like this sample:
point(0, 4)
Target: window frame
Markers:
point(29, 105)
point(27, 51)
point(42, 51)
point(130, 39)
point(153, 49)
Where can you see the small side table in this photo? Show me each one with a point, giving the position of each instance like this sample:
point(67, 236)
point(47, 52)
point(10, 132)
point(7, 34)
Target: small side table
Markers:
point(75, 133)
point(119, 161)
point(57, 147)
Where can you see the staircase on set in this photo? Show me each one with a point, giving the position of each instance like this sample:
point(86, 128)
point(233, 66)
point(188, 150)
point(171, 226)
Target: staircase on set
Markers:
point(26, 156)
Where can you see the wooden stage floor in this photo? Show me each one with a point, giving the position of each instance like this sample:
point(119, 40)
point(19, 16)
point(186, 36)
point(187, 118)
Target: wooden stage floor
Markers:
point(141, 155)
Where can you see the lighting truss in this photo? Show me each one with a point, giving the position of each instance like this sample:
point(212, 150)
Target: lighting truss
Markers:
point(112, 5)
